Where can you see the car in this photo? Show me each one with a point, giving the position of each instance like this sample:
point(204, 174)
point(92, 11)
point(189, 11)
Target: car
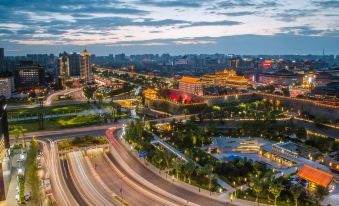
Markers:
point(17, 197)
point(20, 160)
point(38, 157)
point(39, 166)
point(27, 196)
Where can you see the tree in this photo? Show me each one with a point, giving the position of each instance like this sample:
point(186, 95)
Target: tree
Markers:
point(185, 112)
point(257, 186)
point(177, 166)
point(168, 160)
point(268, 180)
point(18, 132)
point(275, 190)
point(189, 169)
point(296, 190)
point(320, 193)
point(89, 91)
point(69, 83)
point(208, 170)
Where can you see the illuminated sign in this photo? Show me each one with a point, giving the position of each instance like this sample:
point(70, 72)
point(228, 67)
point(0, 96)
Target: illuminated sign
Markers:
point(267, 63)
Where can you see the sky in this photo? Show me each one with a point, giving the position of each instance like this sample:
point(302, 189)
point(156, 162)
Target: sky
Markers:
point(170, 26)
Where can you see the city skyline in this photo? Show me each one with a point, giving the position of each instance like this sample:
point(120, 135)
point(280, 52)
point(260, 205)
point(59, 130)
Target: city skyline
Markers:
point(175, 27)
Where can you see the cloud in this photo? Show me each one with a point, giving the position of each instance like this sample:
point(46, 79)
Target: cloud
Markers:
point(240, 13)
point(247, 3)
point(211, 23)
point(240, 44)
point(172, 3)
point(327, 4)
point(170, 41)
point(302, 30)
point(292, 14)
point(74, 7)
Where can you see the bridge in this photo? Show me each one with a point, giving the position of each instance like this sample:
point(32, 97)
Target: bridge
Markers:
point(157, 140)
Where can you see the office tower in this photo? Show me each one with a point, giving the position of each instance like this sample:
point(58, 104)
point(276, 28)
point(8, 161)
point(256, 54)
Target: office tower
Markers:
point(120, 58)
point(64, 71)
point(29, 76)
point(6, 86)
point(2, 53)
point(5, 161)
point(85, 67)
point(7, 66)
point(74, 64)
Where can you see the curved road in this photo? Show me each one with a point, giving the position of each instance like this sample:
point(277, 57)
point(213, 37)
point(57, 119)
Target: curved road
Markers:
point(154, 179)
point(116, 182)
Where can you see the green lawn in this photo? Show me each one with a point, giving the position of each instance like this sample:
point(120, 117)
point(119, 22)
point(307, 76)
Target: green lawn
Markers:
point(49, 110)
point(60, 123)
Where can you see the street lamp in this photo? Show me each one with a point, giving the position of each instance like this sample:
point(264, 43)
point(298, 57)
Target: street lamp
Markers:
point(121, 187)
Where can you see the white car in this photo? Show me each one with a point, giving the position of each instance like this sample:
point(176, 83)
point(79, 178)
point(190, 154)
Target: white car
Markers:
point(27, 196)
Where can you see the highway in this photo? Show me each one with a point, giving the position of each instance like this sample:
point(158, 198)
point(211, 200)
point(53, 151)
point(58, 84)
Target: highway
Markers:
point(115, 181)
point(154, 179)
point(60, 189)
point(70, 183)
point(89, 188)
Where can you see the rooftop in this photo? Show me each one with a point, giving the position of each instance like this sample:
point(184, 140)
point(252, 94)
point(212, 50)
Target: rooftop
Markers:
point(316, 176)
point(189, 79)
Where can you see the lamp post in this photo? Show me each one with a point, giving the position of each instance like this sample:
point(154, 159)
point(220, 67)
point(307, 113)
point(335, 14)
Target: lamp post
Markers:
point(121, 187)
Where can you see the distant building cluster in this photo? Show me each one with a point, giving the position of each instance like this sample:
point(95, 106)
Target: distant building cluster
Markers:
point(74, 66)
point(35, 72)
point(300, 74)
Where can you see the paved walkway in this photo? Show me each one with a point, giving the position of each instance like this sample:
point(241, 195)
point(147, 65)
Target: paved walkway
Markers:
point(11, 191)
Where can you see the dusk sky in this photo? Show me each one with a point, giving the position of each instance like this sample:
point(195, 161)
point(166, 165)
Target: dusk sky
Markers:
point(172, 26)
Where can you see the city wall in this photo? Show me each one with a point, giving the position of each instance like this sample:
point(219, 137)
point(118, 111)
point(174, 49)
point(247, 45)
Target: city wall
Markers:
point(172, 107)
point(313, 107)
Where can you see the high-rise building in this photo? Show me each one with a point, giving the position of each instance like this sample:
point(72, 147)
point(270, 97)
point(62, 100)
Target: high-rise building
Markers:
point(120, 58)
point(29, 75)
point(6, 86)
point(42, 59)
point(85, 67)
point(64, 71)
point(5, 161)
point(2, 53)
point(74, 64)
point(7, 65)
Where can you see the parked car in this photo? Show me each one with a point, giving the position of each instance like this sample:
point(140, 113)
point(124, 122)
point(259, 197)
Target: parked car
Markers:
point(27, 196)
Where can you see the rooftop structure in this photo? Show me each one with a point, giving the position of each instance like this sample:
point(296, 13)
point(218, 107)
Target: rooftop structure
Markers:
point(150, 93)
point(225, 78)
point(186, 79)
point(315, 176)
point(191, 85)
point(288, 148)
